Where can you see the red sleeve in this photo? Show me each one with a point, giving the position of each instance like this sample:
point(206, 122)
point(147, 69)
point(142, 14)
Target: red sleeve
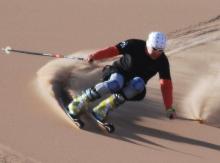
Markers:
point(105, 53)
point(167, 92)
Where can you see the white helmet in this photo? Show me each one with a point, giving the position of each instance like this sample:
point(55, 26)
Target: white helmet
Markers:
point(157, 40)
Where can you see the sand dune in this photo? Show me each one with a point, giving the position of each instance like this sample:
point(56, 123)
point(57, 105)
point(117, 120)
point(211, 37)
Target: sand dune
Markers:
point(195, 75)
point(200, 102)
point(33, 128)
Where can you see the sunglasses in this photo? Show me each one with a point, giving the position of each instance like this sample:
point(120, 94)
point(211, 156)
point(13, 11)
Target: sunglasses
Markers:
point(159, 50)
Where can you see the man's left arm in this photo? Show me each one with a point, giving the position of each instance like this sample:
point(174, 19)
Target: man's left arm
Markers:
point(167, 93)
point(167, 89)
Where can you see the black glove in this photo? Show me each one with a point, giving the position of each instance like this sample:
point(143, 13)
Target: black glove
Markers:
point(171, 113)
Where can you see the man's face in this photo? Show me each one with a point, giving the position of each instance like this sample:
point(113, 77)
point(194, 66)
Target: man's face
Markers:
point(154, 53)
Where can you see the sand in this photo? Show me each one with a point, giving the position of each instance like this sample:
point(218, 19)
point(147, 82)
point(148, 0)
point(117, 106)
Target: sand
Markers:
point(33, 128)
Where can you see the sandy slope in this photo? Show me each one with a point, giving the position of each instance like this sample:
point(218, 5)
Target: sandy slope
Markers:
point(32, 123)
point(194, 70)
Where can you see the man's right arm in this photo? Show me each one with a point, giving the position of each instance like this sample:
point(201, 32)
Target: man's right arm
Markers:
point(109, 52)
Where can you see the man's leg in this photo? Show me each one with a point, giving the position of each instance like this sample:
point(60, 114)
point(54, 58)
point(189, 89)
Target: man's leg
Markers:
point(134, 88)
point(112, 85)
point(101, 111)
point(79, 103)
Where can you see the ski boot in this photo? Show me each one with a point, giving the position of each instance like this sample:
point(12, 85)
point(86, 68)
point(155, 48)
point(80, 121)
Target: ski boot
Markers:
point(171, 113)
point(101, 111)
point(80, 103)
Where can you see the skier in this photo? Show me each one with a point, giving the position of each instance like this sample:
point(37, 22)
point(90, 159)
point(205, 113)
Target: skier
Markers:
point(126, 78)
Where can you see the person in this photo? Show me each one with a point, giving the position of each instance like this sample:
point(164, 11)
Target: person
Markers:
point(126, 78)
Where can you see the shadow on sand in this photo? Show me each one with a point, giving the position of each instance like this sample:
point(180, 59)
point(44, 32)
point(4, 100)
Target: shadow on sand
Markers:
point(63, 76)
point(128, 130)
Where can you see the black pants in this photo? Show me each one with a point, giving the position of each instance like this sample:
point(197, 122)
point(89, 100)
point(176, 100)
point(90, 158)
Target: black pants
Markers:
point(109, 70)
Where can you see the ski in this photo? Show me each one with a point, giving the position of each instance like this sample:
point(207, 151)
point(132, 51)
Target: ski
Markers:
point(76, 120)
point(103, 125)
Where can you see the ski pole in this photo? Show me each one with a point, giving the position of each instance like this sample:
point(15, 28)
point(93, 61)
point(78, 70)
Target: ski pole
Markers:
point(8, 50)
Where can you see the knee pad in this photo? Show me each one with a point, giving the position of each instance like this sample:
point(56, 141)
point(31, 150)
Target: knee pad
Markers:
point(115, 82)
point(134, 87)
point(138, 84)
